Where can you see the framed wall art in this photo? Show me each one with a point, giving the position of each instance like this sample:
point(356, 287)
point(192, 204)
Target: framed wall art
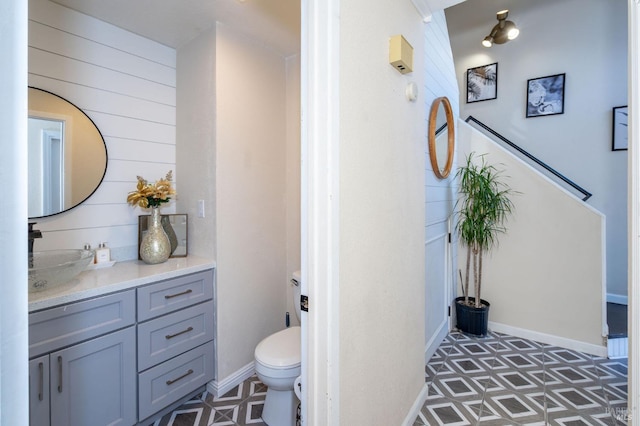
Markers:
point(620, 135)
point(175, 226)
point(482, 83)
point(545, 95)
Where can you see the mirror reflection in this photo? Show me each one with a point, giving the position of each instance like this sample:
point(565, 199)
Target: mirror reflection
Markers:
point(67, 155)
point(442, 136)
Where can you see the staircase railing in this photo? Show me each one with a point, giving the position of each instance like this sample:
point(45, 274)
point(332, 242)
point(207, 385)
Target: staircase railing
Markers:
point(585, 194)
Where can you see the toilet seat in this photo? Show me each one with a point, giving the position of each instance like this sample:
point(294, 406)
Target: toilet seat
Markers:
point(280, 350)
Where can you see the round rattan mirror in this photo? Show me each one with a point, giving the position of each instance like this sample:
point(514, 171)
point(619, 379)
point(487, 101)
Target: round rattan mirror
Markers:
point(441, 137)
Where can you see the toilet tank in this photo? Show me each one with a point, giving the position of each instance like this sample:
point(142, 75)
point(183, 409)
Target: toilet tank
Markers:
point(297, 283)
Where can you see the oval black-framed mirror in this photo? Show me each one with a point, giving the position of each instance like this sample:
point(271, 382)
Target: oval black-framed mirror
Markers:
point(67, 155)
point(441, 137)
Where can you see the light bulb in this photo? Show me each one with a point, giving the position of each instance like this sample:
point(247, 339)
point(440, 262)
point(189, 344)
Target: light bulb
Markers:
point(513, 33)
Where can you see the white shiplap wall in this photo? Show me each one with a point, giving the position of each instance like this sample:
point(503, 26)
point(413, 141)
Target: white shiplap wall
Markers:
point(127, 85)
point(439, 194)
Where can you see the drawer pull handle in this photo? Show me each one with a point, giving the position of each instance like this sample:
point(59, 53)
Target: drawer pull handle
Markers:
point(170, 382)
point(60, 374)
point(171, 336)
point(171, 296)
point(41, 381)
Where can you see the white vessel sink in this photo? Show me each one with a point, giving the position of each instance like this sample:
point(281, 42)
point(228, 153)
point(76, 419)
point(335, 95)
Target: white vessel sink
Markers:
point(50, 268)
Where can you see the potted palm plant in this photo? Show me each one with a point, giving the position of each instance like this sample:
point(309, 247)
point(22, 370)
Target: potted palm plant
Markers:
point(482, 209)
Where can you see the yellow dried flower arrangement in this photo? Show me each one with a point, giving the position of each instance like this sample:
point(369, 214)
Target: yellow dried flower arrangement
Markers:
point(152, 195)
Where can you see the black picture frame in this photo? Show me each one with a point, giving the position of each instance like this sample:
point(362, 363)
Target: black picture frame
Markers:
point(545, 95)
point(620, 129)
point(482, 83)
point(179, 228)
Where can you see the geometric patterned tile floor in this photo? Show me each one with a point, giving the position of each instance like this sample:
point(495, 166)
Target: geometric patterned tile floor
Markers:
point(505, 380)
point(241, 406)
point(497, 380)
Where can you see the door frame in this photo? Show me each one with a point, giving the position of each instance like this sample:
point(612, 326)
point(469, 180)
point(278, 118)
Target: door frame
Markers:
point(320, 65)
point(634, 210)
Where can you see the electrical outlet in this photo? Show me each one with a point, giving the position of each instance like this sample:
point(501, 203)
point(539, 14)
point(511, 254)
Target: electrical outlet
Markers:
point(200, 208)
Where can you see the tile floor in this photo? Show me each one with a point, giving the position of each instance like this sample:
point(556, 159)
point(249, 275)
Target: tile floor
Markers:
point(498, 380)
point(505, 380)
point(241, 406)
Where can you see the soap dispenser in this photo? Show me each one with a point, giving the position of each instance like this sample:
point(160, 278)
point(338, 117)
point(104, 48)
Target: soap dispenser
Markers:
point(103, 254)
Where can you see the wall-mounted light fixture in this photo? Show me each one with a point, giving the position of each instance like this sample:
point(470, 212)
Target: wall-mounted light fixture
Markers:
point(502, 32)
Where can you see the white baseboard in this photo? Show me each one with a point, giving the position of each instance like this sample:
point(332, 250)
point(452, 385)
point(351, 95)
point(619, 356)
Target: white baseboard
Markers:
point(416, 407)
point(220, 387)
point(620, 299)
point(435, 341)
point(563, 342)
point(618, 347)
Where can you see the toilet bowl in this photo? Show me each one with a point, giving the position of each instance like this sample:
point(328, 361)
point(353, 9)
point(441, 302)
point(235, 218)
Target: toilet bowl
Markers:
point(277, 363)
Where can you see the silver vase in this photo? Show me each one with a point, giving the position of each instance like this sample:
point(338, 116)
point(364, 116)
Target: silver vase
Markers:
point(155, 246)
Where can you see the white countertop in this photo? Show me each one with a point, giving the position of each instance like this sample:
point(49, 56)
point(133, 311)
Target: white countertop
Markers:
point(121, 276)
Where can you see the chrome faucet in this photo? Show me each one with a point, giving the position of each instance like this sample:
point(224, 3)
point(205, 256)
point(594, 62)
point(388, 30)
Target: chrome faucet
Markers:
point(33, 234)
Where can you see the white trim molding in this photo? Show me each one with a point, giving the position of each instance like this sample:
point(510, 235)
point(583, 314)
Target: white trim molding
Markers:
point(414, 412)
point(435, 341)
point(563, 342)
point(423, 9)
point(320, 238)
point(618, 347)
point(14, 354)
point(633, 79)
point(220, 387)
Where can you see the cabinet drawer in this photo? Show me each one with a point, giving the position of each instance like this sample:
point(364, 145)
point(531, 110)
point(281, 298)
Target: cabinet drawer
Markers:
point(165, 337)
point(55, 328)
point(164, 384)
point(174, 294)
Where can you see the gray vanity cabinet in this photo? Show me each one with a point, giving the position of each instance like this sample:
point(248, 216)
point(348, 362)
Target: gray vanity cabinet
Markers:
point(122, 358)
point(175, 340)
point(88, 374)
point(95, 380)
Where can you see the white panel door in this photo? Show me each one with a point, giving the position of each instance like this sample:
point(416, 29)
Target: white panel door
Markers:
point(437, 291)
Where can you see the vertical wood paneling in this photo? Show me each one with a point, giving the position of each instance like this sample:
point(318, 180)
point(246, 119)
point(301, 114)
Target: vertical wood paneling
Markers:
point(127, 85)
point(439, 194)
point(440, 81)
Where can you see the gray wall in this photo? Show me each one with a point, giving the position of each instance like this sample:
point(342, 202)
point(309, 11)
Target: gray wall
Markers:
point(586, 39)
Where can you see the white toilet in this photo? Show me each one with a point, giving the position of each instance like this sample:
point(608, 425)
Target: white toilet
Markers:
point(278, 366)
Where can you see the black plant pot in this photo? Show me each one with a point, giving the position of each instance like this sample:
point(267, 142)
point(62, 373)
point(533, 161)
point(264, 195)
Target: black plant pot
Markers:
point(470, 319)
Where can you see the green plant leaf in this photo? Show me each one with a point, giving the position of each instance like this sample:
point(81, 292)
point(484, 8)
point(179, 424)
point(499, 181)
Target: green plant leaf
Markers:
point(482, 208)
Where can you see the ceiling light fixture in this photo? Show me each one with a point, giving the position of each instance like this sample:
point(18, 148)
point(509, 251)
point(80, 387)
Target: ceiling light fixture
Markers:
point(502, 32)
